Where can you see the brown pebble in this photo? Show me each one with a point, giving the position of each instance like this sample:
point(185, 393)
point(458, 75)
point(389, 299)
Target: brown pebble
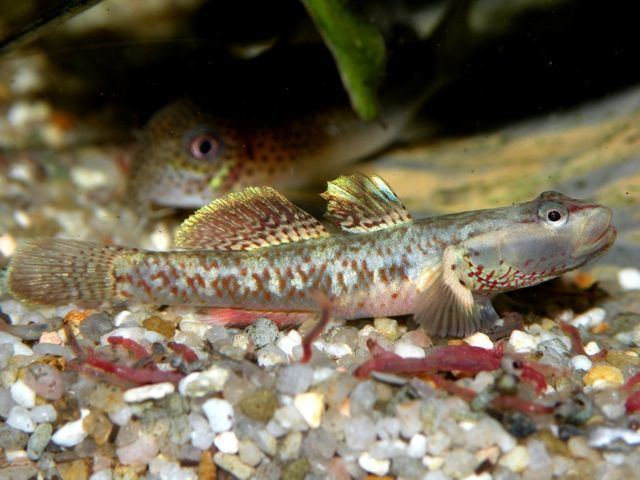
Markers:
point(156, 324)
point(207, 470)
point(75, 470)
point(259, 405)
point(621, 359)
point(98, 426)
point(67, 409)
point(296, 470)
point(553, 443)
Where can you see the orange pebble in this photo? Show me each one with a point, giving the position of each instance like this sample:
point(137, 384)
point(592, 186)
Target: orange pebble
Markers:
point(600, 328)
point(584, 280)
point(75, 317)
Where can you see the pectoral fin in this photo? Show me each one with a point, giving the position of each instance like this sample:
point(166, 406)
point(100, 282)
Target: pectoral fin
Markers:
point(446, 307)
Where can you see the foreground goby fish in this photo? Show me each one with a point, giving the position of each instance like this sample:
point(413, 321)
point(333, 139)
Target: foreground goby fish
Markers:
point(254, 250)
point(187, 157)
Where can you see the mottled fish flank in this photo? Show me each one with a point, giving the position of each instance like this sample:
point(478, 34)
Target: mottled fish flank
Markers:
point(187, 157)
point(256, 252)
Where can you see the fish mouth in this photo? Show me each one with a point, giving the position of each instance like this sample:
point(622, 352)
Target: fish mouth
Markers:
point(599, 244)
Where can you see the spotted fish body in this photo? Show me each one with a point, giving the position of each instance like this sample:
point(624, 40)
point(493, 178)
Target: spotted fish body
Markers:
point(256, 251)
point(187, 157)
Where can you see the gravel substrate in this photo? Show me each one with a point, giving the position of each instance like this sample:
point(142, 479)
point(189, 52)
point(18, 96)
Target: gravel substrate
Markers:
point(75, 400)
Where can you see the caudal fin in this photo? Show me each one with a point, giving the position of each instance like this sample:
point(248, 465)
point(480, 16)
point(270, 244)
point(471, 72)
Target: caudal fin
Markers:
point(51, 271)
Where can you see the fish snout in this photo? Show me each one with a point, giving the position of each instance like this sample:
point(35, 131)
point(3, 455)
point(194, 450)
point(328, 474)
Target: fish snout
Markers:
point(596, 234)
point(598, 223)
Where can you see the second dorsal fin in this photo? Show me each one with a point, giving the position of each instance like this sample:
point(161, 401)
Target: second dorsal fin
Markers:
point(253, 218)
point(359, 203)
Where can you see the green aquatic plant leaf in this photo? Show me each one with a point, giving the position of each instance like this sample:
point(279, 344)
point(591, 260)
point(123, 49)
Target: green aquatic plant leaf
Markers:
point(358, 49)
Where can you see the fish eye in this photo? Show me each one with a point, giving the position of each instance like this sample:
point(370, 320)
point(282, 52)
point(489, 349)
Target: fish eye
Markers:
point(204, 147)
point(554, 213)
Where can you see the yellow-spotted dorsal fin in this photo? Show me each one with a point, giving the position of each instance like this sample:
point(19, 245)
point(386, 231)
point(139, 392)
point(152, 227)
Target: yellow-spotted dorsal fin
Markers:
point(359, 203)
point(253, 218)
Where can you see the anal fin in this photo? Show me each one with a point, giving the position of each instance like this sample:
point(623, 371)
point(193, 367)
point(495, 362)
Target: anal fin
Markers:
point(238, 317)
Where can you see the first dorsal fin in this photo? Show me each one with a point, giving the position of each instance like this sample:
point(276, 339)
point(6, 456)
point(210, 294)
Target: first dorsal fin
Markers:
point(359, 203)
point(253, 218)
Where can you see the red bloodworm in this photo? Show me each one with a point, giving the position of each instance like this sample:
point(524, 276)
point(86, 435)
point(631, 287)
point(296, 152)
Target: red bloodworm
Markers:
point(187, 354)
point(137, 375)
point(318, 328)
point(130, 345)
point(574, 335)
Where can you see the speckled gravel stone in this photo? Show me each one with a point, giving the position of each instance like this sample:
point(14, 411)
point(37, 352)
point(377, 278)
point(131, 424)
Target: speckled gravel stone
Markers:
point(39, 440)
point(259, 404)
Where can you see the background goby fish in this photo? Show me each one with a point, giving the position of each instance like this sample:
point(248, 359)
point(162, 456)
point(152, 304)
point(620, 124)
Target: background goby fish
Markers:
point(187, 157)
point(256, 251)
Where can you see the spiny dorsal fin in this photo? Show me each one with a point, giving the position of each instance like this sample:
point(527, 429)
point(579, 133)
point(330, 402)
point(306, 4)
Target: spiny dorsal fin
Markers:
point(253, 218)
point(446, 307)
point(359, 203)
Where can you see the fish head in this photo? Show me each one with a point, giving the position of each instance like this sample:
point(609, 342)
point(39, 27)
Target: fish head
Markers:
point(529, 243)
point(186, 157)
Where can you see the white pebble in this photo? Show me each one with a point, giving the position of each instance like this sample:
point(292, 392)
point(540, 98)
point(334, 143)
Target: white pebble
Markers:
point(417, 446)
point(590, 318)
point(20, 419)
point(516, 460)
point(565, 315)
point(629, 278)
point(23, 395)
point(140, 452)
point(88, 178)
point(121, 318)
point(408, 350)
point(201, 435)
point(72, 433)
point(374, 465)
point(479, 339)
point(220, 414)
point(121, 416)
point(160, 238)
point(7, 245)
point(432, 463)
point(191, 324)
point(287, 343)
point(270, 355)
point(581, 362)
point(522, 342)
point(44, 413)
point(22, 349)
point(8, 338)
point(592, 348)
point(16, 456)
point(334, 350)
point(199, 384)
point(226, 442)
point(22, 113)
point(311, 407)
point(147, 392)
point(133, 333)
